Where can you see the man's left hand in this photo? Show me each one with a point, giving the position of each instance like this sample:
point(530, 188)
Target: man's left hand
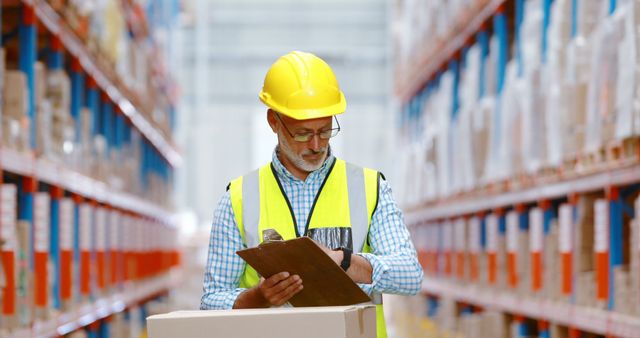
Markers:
point(360, 270)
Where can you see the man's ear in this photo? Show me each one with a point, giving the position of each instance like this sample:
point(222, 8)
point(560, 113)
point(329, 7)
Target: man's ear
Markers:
point(272, 120)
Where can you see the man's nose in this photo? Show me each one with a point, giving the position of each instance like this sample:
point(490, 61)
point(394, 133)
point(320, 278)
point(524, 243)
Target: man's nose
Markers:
point(315, 142)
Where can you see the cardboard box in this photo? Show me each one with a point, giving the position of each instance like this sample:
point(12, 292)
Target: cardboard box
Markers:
point(311, 322)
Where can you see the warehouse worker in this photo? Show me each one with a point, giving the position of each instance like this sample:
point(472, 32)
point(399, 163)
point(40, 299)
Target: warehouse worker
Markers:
point(307, 191)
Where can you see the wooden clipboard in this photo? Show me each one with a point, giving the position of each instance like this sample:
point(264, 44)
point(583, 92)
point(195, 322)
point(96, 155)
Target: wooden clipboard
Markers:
point(325, 283)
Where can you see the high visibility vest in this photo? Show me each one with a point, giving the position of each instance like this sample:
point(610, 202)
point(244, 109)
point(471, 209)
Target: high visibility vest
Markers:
point(340, 215)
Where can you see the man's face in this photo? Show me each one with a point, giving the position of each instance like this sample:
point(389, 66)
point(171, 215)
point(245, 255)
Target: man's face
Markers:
point(309, 155)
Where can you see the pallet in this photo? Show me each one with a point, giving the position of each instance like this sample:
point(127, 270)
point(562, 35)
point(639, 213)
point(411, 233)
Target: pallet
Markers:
point(626, 151)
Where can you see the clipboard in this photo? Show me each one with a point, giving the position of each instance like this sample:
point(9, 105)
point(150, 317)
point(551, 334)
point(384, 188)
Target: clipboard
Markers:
point(325, 283)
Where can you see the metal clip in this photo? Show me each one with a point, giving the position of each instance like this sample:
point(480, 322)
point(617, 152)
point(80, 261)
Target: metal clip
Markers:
point(271, 235)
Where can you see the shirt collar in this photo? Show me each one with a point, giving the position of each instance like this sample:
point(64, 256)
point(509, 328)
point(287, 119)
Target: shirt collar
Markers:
point(283, 173)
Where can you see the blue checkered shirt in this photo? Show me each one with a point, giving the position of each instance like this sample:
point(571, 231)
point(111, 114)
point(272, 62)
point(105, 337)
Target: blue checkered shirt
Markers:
point(393, 258)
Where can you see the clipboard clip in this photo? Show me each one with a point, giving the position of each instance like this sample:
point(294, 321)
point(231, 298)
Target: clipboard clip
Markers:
point(271, 235)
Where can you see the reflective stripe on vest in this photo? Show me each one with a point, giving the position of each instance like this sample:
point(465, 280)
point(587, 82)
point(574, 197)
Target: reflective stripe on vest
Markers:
point(341, 213)
point(359, 215)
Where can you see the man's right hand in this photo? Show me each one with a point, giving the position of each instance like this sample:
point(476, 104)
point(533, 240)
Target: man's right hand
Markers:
point(273, 291)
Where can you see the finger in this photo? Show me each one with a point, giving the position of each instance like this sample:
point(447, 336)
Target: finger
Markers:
point(275, 279)
point(282, 285)
point(288, 293)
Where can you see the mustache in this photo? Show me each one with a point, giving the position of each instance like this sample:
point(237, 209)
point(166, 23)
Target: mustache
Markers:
point(313, 152)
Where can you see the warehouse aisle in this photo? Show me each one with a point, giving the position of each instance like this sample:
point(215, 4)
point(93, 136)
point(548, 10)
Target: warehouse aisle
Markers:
point(507, 131)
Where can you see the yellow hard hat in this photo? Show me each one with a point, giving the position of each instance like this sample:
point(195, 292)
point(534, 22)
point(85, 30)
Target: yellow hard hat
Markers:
point(302, 86)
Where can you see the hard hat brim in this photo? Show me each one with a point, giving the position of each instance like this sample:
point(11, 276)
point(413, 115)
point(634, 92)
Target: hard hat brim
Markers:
point(306, 114)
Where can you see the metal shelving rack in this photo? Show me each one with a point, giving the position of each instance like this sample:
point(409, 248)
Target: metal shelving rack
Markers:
point(608, 179)
point(86, 314)
point(56, 25)
point(67, 179)
point(60, 176)
point(588, 319)
point(430, 58)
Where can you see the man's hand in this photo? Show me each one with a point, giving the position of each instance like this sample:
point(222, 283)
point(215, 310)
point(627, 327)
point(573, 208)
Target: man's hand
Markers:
point(273, 291)
point(360, 270)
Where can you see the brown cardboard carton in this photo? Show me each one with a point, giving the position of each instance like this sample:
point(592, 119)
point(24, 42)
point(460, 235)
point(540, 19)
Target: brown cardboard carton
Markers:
point(311, 322)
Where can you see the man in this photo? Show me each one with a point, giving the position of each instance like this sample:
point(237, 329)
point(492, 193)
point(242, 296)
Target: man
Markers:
point(306, 191)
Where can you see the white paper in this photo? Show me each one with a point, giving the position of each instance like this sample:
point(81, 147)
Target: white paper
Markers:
point(536, 220)
point(474, 235)
point(8, 216)
point(460, 235)
point(492, 233)
point(512, 231)
point(566, 228)
point(101, 221)
point(41, 216)
point(601, 225)
point(114, 228)
point(66, 224)
point(86, 212)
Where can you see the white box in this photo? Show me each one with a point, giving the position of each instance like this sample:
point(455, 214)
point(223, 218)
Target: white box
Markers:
point(311, 322)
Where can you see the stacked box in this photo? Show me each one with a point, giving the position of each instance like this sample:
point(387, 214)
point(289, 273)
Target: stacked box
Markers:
point(84, 156)
point(9, 255)
point(43, 279)
point(494, 324)
point(15, 122)
point(552, 272)
point(627, 53)
point(471, 326)
point(583, 250)
point(44, 113)
point(601, 113)
point(447, 316)
point(577, 77)
point(25, 283)
point(461, 262)
point(622, 296)
point(554, 75)
point(63, 126)
point(635, 261)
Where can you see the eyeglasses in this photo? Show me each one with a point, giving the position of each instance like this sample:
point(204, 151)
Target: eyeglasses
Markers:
point(306, 136)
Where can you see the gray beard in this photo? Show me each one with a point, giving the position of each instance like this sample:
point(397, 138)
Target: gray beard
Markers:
point(297, 160)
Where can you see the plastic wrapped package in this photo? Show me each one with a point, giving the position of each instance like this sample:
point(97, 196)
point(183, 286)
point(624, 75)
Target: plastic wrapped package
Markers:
point(589, 14)
point(44, 114)
point(442, 105)
point(494, 122)
point(626, 88)
point(480, 126)
point(469, 93)
point(601, 113)
point(577, 83)
point(499, 164)
point(554, 78)
point(512, 123)
point(534, 131)
point(429, 186)
point(555, 115)
point(63, 126)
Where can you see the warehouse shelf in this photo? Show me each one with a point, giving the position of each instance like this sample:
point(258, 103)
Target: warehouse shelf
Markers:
point(105, 80)
point(68, 322)
point(60, 176)
point(486, 202)
point(431, 58)
point(588, 319)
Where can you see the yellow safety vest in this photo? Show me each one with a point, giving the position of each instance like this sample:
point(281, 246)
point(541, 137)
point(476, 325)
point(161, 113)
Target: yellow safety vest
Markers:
point(340, 216)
